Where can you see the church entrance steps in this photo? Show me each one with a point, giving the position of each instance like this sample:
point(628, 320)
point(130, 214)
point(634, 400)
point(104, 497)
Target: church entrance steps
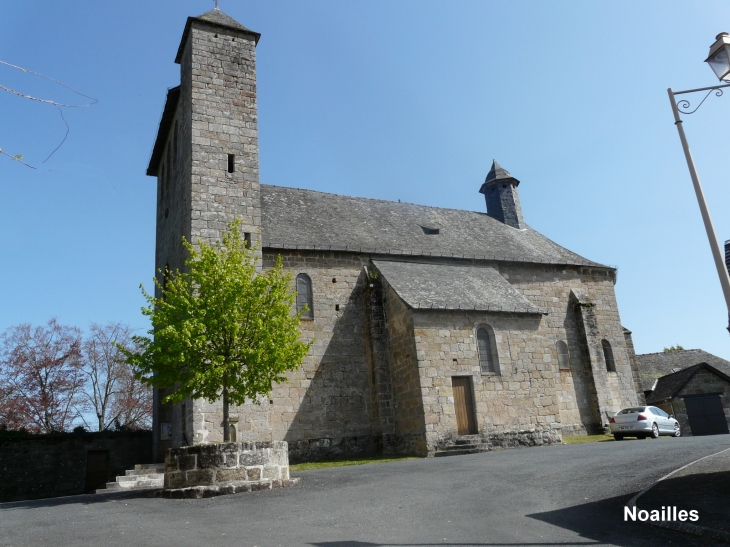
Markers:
point(461, 445)
point(142, 477)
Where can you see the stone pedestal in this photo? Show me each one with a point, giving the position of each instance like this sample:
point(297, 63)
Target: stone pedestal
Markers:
point(226, 468)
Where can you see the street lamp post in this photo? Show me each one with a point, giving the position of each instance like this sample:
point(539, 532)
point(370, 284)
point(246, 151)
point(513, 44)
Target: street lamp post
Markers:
point(719, 61)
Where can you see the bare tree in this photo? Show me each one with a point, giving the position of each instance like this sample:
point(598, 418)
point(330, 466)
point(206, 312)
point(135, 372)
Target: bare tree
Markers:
point(40, 377)
point(133, 406)
point(117, 398)
point(103, 366)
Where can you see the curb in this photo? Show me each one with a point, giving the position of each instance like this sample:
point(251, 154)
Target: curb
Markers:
point(694, 529)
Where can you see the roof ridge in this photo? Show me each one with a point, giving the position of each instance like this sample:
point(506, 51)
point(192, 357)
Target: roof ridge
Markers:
point(383, 200)
point(675, 351)
point(380, 226)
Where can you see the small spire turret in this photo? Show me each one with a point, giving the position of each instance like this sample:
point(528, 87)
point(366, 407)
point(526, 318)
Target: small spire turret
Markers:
point(500, 193)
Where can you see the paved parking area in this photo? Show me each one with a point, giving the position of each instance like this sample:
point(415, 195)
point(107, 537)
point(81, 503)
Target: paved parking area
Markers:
point(554, 495)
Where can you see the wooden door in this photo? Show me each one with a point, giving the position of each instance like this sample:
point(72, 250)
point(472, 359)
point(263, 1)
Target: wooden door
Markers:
point(97, 469)
point(464, 404)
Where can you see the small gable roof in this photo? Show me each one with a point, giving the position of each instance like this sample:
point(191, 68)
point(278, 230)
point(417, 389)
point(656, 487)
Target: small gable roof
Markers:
point(447, 287)
point(294, 218)
point(668, 386)
point(655, 365)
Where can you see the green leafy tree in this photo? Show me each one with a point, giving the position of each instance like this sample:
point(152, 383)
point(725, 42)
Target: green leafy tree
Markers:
point(220, 329)
point(673, 348)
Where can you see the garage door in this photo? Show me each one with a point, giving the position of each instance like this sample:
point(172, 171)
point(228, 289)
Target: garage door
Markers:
point(706, 416)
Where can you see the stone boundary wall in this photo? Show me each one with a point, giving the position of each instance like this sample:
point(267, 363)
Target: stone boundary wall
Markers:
point(226, 468)
point(49, 466)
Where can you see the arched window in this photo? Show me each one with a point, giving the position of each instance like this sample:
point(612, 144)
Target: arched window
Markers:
point(304, 296)
point(487, 349)
point(608, 355)
point(563, 355)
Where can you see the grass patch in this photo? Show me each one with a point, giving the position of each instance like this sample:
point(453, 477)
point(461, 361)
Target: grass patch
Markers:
point(587, 439)
point(348, 461)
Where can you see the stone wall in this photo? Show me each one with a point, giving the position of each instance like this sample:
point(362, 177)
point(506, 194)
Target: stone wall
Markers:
point(409, 403)
point(581, 408)
point(224, 121)
point(528, 400)
point(378, 377)
point(640, 397)
point(47, 466)
point(324, 408)
point(232, 467)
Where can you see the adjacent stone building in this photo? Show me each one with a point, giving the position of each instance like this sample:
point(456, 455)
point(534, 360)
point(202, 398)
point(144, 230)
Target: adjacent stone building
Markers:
point(698, 396)
point(653, 366)
point(433, 326)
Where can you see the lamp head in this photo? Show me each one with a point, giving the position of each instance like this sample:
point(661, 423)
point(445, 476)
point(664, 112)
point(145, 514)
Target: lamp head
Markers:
point(719, 58)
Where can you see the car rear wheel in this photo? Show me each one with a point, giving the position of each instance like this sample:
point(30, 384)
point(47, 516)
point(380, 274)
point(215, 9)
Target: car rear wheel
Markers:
point(618, 437)
point(677, 431)
point(654, 431)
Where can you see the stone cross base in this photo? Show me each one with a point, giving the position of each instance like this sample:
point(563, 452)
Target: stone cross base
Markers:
point(236, 487)
point(225, 468)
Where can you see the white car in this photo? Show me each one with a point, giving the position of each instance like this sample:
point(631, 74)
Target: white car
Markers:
point(642, 422)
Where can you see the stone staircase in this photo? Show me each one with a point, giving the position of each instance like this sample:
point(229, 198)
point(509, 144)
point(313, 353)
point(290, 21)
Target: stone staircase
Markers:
point(463, 444)
point(143, 477)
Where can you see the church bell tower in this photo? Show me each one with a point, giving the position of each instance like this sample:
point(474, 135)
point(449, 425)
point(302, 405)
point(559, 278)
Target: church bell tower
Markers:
point(206, 162)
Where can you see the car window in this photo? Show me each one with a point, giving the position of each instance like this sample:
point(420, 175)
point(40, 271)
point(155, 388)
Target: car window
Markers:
point(633, 410)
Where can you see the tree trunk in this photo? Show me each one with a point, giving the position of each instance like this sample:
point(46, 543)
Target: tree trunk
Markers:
point(226, 426)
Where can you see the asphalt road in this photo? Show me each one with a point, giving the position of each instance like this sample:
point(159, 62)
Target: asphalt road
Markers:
point(558, 495)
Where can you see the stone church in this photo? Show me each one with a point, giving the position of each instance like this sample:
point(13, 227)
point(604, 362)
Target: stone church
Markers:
point(436, 329)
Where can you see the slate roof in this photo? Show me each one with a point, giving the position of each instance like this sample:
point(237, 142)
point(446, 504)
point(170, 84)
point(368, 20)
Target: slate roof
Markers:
point(168, 114)
point(497, 172)
point(448, 287)
point(213, 17)
point(293, 218)
point(668, 386)
point(655, 365)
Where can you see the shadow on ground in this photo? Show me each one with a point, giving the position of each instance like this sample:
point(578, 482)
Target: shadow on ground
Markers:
point(603, 522)
point(708, 493)
point(83, 499)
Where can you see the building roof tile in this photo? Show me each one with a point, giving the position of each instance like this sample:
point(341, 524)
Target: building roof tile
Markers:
point(655, 365)
point(213, 17)
point(293, 218)
point(668, 386)
point(450, 287)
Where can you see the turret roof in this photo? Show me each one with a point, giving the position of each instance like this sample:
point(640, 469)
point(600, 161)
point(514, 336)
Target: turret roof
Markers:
point(214, 17)
point(496, 173)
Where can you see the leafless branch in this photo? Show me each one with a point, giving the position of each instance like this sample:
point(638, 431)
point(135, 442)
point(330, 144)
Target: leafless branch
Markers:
point(16, 158)
point(46, 101)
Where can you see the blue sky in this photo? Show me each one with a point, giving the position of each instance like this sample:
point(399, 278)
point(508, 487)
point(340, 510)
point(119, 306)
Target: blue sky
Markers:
point(405, 100)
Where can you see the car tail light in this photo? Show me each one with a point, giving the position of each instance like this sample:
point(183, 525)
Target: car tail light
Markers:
point(612, 421)
point(641, 417)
